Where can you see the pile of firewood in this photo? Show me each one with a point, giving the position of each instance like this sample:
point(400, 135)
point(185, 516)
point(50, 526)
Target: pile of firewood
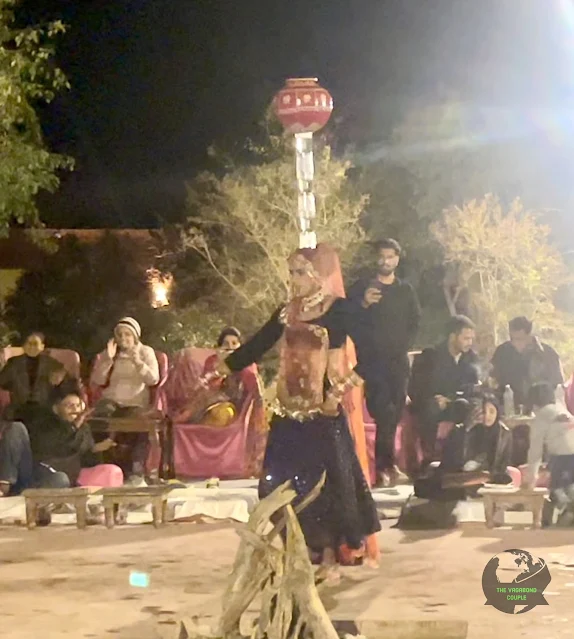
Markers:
point(272, 562)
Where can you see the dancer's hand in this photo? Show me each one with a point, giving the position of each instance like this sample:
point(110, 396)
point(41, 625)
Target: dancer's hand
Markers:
point(330, 405)
point(221, 368)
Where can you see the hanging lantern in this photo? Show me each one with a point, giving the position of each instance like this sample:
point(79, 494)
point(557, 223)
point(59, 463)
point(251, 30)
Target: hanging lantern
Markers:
point(303, 105)
point(160, 287)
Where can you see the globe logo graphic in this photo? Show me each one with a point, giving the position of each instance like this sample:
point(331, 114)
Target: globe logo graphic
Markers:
point(514, 582)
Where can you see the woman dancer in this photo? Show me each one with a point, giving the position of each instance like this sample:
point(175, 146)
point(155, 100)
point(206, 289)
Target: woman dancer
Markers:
point(309, 431)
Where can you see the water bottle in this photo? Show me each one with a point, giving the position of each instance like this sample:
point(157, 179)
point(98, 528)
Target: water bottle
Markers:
point(508, 401)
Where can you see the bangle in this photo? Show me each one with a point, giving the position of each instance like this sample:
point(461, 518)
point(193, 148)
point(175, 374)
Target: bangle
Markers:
point(216, 374)
point(222, 369)
point(346, 384)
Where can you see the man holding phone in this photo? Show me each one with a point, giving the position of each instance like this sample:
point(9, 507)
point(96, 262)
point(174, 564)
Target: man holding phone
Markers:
point(386, 321)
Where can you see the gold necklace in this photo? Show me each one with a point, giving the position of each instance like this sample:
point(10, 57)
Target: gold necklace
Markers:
point(307, 303)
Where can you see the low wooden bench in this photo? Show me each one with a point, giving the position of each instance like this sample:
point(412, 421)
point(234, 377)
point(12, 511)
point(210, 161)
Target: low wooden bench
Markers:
point(125, 495)
point(531, 499)
point(39, 497)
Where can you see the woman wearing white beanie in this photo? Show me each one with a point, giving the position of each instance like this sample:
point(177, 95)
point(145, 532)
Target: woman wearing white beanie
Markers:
point(125, 371)
point(127, 368)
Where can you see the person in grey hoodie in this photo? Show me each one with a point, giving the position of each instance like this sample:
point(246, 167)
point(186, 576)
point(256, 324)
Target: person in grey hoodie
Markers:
point(552, 429)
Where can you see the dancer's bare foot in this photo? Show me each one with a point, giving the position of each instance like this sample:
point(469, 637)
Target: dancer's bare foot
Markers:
point(381, 481)
point(333, 576)
point(390, 478)
point(396, 477)
point(329, 575)
point(329, 570)
point(371, 562)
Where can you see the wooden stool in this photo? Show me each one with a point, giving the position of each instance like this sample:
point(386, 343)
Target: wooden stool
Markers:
point(532, 500)
point(154, 495)
point(38, 497)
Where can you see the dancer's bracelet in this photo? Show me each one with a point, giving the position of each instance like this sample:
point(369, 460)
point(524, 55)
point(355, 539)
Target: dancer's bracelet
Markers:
point(221, 371)
point(346, 384)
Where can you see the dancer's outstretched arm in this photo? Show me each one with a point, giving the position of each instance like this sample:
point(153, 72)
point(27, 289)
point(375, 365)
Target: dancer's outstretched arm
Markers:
point(254, 349)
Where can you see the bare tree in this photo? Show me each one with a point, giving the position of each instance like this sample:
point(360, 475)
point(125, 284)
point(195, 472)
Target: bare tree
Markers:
point(243, 224)
point(502, 262)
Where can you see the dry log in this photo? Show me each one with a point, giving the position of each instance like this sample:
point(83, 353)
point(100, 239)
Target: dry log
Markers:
point(290, 604)
point(252, 566)
point(300, 581)
point(306, 501)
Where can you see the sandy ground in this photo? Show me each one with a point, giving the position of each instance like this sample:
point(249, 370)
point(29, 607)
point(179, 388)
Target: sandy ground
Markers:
point(61, 582)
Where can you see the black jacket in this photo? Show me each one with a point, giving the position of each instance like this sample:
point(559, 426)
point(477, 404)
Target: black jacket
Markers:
point(14, 377)
point(537, 364)
point(386, 330)
point(53, 438)
point(490, 447)
point(435, 372)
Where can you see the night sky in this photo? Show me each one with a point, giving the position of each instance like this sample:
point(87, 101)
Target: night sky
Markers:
point(154, 82)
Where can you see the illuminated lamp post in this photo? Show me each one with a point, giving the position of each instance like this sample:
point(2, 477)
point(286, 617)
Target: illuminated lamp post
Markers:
point(304, 107)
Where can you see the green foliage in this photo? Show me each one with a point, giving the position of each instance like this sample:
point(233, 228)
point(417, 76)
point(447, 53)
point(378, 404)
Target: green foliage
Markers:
point(173, 328)
point(28, 77)
point(243, 223)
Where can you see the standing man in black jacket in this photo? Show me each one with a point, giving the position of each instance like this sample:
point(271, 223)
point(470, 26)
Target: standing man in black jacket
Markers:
point(386, 321)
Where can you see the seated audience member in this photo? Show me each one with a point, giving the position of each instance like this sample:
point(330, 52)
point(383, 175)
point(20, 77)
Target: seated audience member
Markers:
point(18, 470)
point(520, 363)
point(126, 371)
point(61, 438)
point(478, 450)
point(31, 378)
point(440, 375)
point(218, 401)
point(552, 430)
point(524, 361)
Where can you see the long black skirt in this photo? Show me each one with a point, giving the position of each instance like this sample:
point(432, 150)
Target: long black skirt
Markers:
point(344, 512)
